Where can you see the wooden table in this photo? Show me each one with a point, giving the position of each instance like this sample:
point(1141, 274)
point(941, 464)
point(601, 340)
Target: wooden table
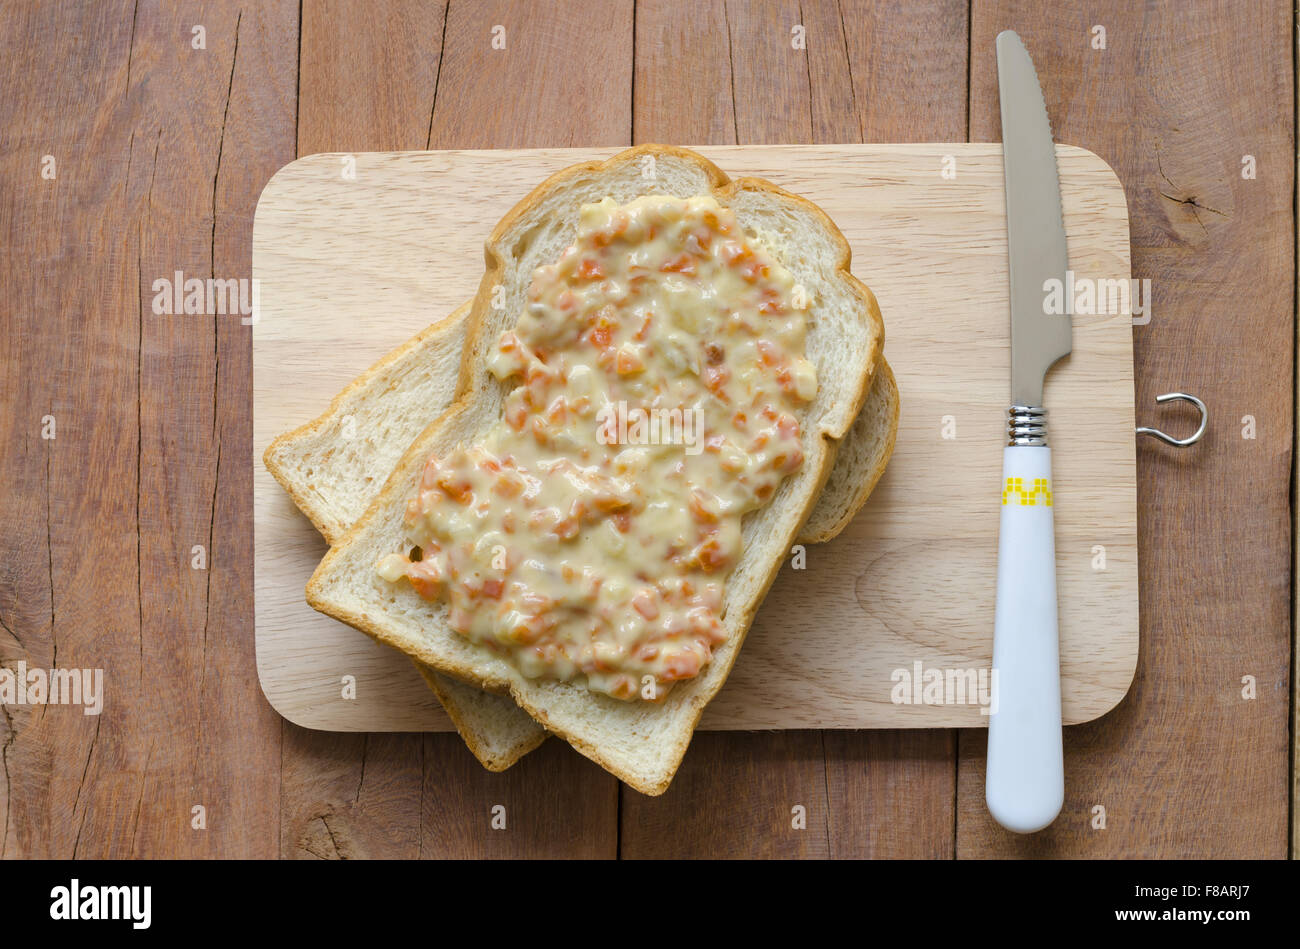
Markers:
point(160, 150)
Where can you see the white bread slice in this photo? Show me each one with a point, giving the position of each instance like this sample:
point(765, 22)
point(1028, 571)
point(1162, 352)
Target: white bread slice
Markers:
point(640, 743)
point(332, 479)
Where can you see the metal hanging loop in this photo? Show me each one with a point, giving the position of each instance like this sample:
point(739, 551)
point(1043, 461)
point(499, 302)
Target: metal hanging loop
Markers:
point(1179, 442)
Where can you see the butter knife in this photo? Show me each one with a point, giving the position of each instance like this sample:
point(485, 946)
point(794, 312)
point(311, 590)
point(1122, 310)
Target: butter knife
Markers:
point(1025, 781)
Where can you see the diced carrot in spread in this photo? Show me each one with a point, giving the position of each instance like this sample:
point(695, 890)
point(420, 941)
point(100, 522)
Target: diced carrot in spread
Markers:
point(628, 362)
point(601, 335)
point(680, 665)
point(427, 587)
point(788, 463)
point(537, 603)
point(623, 687)
point(459, 489)
point(509, 484)
point(734, 252)
point(716, 378)
point(711, 556)
point(543, 519)
point(682, 264)
point(704, 506)
point(644, 603)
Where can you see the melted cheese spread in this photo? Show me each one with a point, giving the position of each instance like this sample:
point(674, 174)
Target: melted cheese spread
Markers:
point(659, 365)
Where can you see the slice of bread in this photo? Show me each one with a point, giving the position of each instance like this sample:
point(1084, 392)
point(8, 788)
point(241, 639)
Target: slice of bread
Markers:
point(639, 742)
point(335, 465)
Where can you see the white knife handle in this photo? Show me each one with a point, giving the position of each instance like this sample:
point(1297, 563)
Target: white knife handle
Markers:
point(1025, 784)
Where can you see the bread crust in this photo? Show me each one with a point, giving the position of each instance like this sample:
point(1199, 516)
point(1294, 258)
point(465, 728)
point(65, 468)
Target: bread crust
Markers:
point(468, 730)
point(271, 457)
point(889, 386)
point(702, 689)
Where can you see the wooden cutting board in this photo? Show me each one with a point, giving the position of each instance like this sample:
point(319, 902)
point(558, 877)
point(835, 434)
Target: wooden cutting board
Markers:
point(351, 265)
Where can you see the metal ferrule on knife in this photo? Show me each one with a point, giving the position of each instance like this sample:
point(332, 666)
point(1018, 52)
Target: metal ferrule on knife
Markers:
point(1026, 425)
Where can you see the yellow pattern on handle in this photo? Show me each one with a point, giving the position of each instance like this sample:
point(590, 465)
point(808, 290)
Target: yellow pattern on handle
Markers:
point(1016, 489)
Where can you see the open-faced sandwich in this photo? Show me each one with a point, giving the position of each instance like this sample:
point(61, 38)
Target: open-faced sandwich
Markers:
point(658, 372)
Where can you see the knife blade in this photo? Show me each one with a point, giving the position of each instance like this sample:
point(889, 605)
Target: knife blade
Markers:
point(1024, 782)
point(1035, 229)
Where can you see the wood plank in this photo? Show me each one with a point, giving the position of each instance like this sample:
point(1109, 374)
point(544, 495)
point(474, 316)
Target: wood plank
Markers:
point(43, 376)
point(369, 74)
point(554, 803)
point(195, 424)
point(737, 795)
point(142, 406)
point(858, 86)
point(348, 797)
point(891, 794)
point(1295, 532)
point(418, 72)
point(240, 736)
point(1185, 767)
point(549, 73)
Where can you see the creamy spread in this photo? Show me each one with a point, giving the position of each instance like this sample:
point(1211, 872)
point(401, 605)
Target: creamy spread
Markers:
point(589, 534)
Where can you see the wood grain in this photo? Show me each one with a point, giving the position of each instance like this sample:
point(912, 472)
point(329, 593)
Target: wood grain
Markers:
point(406, 75)
point(560, 74)
point(159, 148)
point(130, 113)
point(369, 74)
point(889, 793)
point(1185, 767)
